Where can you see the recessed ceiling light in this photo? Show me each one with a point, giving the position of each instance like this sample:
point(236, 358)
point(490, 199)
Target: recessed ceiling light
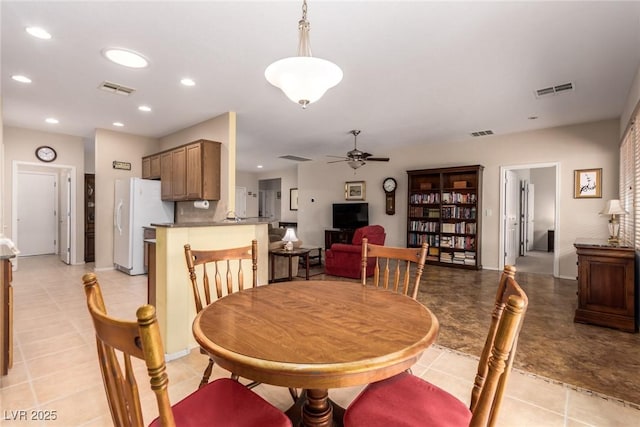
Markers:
point(127, 58)
point(187, 82)
point(118, 124)
point(144, 108)
point(259, 166)
point(52, 120)
point(38, 32)
point(21, 79)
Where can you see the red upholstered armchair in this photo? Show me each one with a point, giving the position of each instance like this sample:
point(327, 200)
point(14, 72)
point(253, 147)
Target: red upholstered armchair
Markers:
point(344, 260)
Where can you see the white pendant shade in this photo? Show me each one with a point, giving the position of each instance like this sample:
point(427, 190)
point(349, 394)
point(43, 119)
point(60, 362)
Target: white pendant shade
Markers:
point(304, 79)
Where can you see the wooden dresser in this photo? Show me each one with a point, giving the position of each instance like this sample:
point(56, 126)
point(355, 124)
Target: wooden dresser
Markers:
point(607, 289)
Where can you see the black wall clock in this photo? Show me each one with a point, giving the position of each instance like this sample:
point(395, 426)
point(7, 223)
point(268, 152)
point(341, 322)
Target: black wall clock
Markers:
point(46, 153)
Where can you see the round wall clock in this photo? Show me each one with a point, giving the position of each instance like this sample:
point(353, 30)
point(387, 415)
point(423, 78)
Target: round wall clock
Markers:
point(389, 186)
point(46, 153)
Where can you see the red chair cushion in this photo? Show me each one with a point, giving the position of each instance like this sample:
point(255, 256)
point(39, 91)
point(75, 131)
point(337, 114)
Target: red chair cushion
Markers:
point(406, 401)
point(226, 403)
point(374, 233)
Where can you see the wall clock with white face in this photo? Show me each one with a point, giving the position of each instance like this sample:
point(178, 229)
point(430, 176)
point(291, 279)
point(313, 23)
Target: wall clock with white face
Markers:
point(389, 186)
point(46, 153)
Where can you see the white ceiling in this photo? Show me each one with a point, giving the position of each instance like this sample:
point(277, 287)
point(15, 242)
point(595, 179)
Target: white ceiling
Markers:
point(414, 72)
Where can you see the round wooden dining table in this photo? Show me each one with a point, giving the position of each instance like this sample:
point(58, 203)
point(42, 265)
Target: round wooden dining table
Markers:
point(315, 335)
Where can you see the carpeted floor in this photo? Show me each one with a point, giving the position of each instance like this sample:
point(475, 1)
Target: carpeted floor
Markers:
point(551, 344)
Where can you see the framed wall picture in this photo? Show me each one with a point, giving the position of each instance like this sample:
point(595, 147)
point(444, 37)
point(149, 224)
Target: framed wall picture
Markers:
point(293, 199)
point(587, 183)
point(354, 190)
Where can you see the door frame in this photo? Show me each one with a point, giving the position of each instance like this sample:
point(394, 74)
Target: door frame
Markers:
point(556, 214)
point(18, 166)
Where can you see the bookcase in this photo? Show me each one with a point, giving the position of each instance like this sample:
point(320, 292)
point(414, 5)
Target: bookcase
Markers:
point(445, 210)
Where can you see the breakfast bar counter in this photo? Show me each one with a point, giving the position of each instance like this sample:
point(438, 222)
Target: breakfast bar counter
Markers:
point(174, 299)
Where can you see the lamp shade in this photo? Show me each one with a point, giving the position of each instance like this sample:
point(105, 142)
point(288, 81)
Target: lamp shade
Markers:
point(290, 236)
point(303, 79)
point(613, 207)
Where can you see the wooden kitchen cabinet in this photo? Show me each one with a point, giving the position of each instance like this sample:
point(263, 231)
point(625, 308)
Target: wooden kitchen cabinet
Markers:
point(191, 172)
point(7, 315)
point(151, 167)
point(606, 285)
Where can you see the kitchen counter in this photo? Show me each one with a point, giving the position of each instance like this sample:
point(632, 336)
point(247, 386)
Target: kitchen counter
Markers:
point(209, 223)
point(171, 286)
point(6, 252)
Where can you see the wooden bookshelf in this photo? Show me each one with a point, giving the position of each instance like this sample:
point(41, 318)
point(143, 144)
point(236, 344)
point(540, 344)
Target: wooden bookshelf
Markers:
point(445, 210)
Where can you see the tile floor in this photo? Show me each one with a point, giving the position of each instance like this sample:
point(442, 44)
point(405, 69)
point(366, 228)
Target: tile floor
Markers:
point(55, 366)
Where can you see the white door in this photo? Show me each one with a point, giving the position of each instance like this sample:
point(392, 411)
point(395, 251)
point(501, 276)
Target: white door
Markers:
point(512, 194)
point(65, 217)
point(530, 216)
point(37, 213)
point(241, 202)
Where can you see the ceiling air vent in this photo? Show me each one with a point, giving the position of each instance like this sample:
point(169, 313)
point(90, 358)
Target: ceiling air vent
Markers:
point(482, 133)
point(554, 90)
point(295, 158)
point(116, 88)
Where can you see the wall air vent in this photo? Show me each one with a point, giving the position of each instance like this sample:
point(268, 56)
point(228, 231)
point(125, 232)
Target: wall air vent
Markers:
point(116, 88)
point(295, 158)
point(482, 133)
point(554, 90)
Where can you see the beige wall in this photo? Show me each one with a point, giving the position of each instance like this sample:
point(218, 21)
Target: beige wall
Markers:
point(110, 146)
point(19, 146)
point(222, 129)
point(589, 145)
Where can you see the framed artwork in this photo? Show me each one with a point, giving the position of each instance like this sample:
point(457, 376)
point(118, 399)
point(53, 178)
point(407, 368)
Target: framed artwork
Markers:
point(587, 184)
point(354, 190)
point(293, 199)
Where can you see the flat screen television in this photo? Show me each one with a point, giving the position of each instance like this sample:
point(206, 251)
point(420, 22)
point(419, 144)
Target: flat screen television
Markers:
point(349, 216)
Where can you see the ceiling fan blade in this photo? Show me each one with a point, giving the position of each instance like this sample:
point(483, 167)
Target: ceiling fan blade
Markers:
point(338, 161)
point(377, 159)
point(338, 157)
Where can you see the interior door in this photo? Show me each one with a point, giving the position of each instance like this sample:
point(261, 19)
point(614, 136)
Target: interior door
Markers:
point(241, 202)
point(512, 196)
point(37, 213)
point(65, 217)
point(522, 230)
point(530, 215)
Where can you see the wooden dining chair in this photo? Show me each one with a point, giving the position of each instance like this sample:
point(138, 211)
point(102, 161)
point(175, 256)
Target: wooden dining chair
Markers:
point(227, 274)
point(407, 401)
point(405, 265)
point(223, 402)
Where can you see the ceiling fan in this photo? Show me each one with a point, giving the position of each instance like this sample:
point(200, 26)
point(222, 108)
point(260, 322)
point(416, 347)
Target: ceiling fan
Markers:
point(356, 158)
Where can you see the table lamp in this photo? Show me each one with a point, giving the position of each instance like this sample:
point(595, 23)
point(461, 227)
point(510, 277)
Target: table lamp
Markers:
point(289, 238)
point(613, 208)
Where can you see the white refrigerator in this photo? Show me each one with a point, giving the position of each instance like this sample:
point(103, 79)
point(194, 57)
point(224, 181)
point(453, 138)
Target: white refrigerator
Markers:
point(137, 205)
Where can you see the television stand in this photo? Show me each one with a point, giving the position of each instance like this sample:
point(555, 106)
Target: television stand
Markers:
point(337, 236)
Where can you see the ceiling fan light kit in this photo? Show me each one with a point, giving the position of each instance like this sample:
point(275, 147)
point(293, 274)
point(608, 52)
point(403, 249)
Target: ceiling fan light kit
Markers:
point(356, 158)
point(303, 78)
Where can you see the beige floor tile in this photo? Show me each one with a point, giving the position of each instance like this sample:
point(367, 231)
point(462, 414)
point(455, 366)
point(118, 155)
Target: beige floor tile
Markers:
point(50, 387)
point(64, 361)
point(600, 412)
point(515, 413)
point(80, 407)
point(537, 391)
point(18, 397)
point(17, 374)
point(52, 345)
point(54, 328)
point(456, 364)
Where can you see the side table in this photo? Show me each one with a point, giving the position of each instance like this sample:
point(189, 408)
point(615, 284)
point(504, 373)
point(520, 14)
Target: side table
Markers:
point(302, 252)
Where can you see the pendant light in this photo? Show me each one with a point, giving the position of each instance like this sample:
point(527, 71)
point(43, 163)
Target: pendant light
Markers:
point(303, 78)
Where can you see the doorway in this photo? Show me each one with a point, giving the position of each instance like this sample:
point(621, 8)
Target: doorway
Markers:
point(269, 199)
point(58, 223)
point(529, 217)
